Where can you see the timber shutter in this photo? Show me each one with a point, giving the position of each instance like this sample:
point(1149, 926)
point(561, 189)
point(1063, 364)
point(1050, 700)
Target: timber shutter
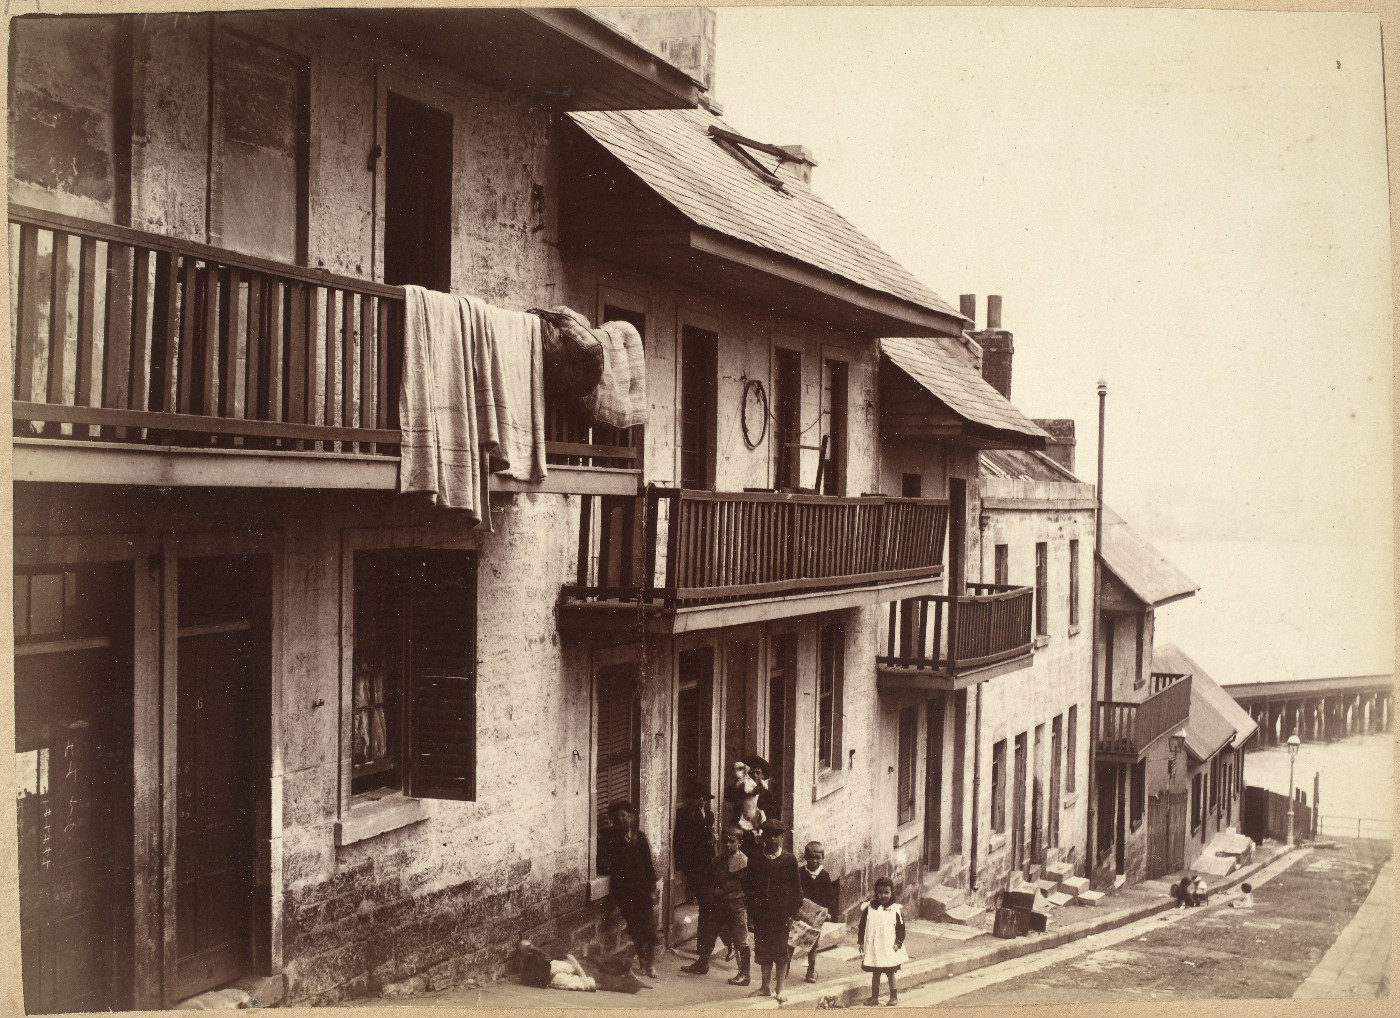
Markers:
point(619, 738)
point(442, 676)
point(908, 750)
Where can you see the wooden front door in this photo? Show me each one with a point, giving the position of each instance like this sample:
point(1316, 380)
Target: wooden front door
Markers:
point(73, 772)
point(224, 679)
point(782, 703)
point(933, 787)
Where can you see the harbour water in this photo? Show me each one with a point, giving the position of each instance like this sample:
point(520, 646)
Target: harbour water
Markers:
point(1355, 780)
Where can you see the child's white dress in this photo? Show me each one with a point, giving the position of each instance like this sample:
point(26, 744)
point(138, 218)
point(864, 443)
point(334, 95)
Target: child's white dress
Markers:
point(881, 929)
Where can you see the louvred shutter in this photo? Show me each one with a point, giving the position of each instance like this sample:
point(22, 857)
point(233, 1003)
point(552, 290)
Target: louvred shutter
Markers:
point(618, 749)
point(442, 676)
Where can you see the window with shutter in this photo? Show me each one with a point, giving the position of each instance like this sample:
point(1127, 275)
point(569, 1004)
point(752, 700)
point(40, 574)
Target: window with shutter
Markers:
point(413, 696)
point(908, 748)
point(1071, 737)
point(999, 786)
point(617, 777)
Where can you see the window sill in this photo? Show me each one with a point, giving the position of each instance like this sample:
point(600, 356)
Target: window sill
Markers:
point(828, 781)
point(369, 818)
point(1042, 640)
point(1074, 630)
point(906, 833)
point(1068, 801)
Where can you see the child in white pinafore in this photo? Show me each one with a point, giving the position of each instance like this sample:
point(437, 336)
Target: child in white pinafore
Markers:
point(881, 940)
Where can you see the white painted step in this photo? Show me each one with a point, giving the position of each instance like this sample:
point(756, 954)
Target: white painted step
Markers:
point(1090, 898)
point(1059, 899)
point(964, 915)
point(1074, 886)
point(1059, 871)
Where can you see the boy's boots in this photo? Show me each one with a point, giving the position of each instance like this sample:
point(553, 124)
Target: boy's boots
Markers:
point(742, 979)
point(699, 966)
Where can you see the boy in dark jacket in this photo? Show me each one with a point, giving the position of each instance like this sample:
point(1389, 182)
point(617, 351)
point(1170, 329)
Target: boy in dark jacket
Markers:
point(773, 893)
point(818, 888)
point(722, 909)
point(693, 842)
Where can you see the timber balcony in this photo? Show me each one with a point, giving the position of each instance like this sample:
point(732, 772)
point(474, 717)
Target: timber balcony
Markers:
point(1126, 730)
point(950, 642)
point(676, 560)
point(144, 359)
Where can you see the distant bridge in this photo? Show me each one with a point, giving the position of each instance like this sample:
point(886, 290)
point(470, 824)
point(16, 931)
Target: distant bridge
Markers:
point(1317, 709)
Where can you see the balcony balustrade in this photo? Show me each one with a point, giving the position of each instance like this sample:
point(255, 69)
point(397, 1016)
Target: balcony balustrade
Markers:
point(1126, 730)
point(943, 636)
point(676, 549)
point(124, 336)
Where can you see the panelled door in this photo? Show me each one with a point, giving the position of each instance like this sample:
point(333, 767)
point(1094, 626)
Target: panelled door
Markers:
point(73, 630)
point(223, 698)
point(933, 786)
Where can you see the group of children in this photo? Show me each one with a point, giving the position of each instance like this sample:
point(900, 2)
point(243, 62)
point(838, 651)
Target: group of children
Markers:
point(751, 891)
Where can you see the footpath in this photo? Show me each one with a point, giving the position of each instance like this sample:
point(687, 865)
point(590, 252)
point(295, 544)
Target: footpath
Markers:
point(937, 951)
point(1358, 963)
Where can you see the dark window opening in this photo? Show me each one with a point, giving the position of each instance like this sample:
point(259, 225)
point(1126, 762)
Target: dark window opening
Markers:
point(1001, 564)
point(787, 419)
point(1071, 736)
point(1137, 793)
point(1074, 582)
point(836, 403)
point(699, 378)
point(999, 787)
point(413, 695)
point(417, 194)
point(831, 676)
point(1042, 585)
point(912, 486)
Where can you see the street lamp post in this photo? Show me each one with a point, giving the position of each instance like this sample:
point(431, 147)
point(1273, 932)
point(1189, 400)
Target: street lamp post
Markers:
point(1293, 744)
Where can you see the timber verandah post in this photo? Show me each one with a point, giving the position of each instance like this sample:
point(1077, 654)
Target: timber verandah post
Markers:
point(1090, 853)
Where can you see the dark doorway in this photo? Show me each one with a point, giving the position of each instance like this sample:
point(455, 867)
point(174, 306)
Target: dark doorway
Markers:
point(787, 419)
point(1038, 799)
point(959, 763)
point(782, 702)
point(1120, 847)
point(957, 534)
point(73, 761)
point(1057, 740)
point(933, 786)
point(222, 770)
point(694, 721)
point(1018, 806)
point(699, 377)
point(417, 194)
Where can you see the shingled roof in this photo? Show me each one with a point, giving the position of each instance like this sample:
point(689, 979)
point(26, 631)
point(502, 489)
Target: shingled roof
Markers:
point(947, 376)
point(1216, 720)
point(714, 186)
point(1142, 568)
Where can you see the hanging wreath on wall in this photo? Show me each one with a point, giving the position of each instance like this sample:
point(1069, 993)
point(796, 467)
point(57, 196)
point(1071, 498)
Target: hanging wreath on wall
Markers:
point(753, 413)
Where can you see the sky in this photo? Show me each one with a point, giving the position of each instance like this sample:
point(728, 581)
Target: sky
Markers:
point(1191, 205)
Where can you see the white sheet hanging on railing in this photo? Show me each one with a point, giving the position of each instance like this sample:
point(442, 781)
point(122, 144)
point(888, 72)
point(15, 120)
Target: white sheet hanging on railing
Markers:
point(472, 399)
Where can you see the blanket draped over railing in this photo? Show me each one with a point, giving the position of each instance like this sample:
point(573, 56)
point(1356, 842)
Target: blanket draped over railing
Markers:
point(472, 399)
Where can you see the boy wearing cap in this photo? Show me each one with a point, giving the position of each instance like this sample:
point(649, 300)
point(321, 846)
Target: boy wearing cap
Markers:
point(773, 893)
point(693, 843)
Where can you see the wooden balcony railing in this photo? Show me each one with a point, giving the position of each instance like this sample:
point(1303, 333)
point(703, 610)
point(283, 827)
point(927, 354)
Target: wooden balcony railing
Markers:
point(1161, 680)
point(124, 335)
point(947, 633)
point(1126, 729)
point(703, 547)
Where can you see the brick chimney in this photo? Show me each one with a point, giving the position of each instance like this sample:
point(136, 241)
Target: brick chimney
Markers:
point(996, 346)
point(1060, 447)
point(683, 36)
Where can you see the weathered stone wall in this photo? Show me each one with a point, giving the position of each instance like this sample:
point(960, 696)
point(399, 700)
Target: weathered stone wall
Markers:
point(1058, 678)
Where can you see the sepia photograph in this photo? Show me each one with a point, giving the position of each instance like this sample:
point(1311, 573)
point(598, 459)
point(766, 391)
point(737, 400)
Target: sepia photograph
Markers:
point(697, 507)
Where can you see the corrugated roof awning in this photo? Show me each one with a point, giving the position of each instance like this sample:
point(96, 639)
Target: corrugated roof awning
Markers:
point(1144, 570)
point(1216, 720)
point(981, 412)
point(720, 218)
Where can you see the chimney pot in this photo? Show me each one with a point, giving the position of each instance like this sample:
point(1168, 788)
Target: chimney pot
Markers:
point(967, 304)
point(994, 311)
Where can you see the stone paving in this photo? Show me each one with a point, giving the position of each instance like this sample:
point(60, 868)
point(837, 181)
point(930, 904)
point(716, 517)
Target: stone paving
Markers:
point(937, 951)
point(1358, 964)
